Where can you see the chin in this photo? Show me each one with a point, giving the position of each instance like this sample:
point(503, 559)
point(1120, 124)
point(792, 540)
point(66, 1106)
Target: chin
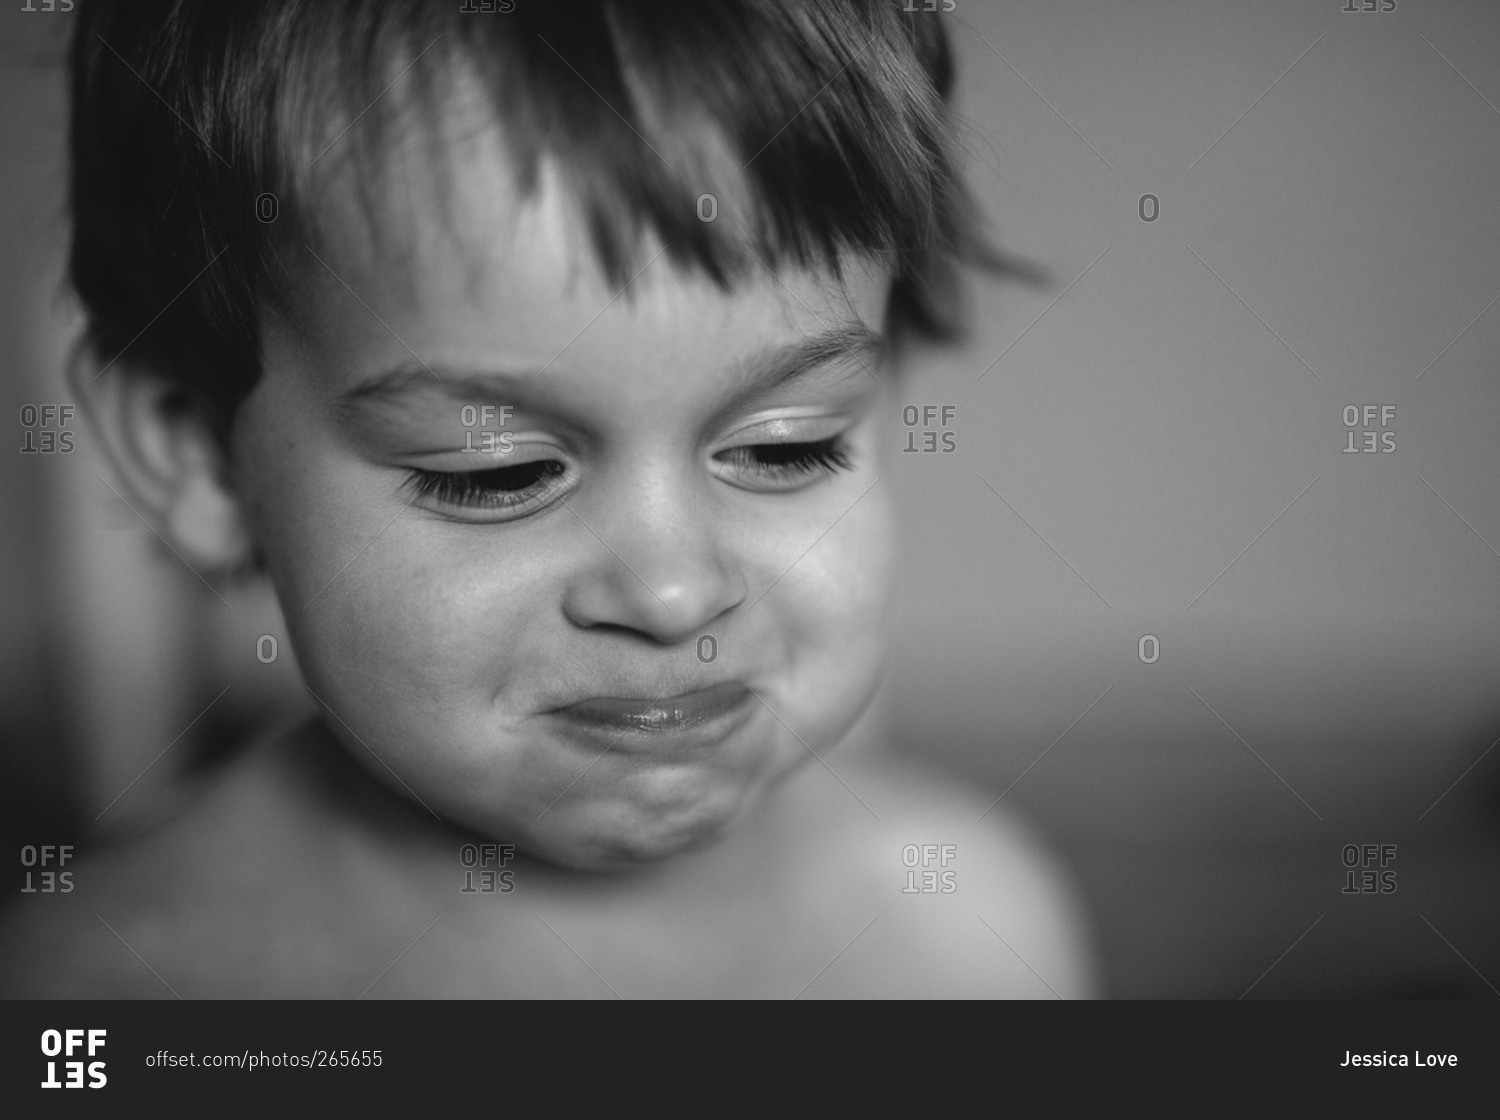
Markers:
point(618, 852)
point(609, 840)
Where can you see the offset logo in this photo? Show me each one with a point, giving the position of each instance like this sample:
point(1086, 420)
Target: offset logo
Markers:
point(492, 880)
point(47, 882)
point(66, 1043)
point(492, 441)
point(931, 421)
point(45, 429)
point(1354, 414)
point(1365, 857)
point(931, 882)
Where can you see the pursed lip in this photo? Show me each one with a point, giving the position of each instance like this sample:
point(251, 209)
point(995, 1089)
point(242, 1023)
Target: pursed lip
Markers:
point(707, 709)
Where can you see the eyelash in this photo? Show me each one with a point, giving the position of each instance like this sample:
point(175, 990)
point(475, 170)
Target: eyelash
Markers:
point(772, 462)
point(792, 461)
point(465, 488)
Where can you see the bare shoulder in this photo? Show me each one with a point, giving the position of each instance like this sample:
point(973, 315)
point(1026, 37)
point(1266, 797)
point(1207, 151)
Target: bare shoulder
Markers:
point(292, 874)
point(943, 892)
point(250, 890)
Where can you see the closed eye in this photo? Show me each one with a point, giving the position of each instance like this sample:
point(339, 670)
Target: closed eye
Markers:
point(499, 488)
point(782, 465)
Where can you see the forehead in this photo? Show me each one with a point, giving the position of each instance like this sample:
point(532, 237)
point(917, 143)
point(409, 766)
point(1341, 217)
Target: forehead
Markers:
point(447, 258)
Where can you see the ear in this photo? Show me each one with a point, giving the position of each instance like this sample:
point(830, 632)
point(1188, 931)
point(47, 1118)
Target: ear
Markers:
point(172, 466)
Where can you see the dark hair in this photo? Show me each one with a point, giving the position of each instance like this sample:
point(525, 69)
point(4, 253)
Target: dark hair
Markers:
point(184, 113)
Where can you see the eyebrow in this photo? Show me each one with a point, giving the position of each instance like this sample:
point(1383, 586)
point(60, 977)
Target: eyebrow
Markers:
point(760, 374)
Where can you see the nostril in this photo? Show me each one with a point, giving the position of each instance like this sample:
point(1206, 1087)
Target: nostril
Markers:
point(670, 600)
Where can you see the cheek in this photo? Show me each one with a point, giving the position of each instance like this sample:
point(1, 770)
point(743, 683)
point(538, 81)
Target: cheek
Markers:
point(837, 609)
point(835, 627)
point(433, 623)
point(835, 600)
point(382, 605)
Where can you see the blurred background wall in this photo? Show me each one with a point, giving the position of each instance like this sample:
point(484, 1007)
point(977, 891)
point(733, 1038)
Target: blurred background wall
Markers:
point(1153, 443)
point(117, 658)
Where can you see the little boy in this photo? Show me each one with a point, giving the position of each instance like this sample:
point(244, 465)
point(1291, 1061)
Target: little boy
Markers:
point(543, 359)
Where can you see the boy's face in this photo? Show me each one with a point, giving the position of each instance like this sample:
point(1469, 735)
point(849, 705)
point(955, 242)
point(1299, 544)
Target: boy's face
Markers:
point(632, 607)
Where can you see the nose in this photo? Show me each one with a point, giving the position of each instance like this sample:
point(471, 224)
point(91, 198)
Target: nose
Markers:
point(660, 569)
